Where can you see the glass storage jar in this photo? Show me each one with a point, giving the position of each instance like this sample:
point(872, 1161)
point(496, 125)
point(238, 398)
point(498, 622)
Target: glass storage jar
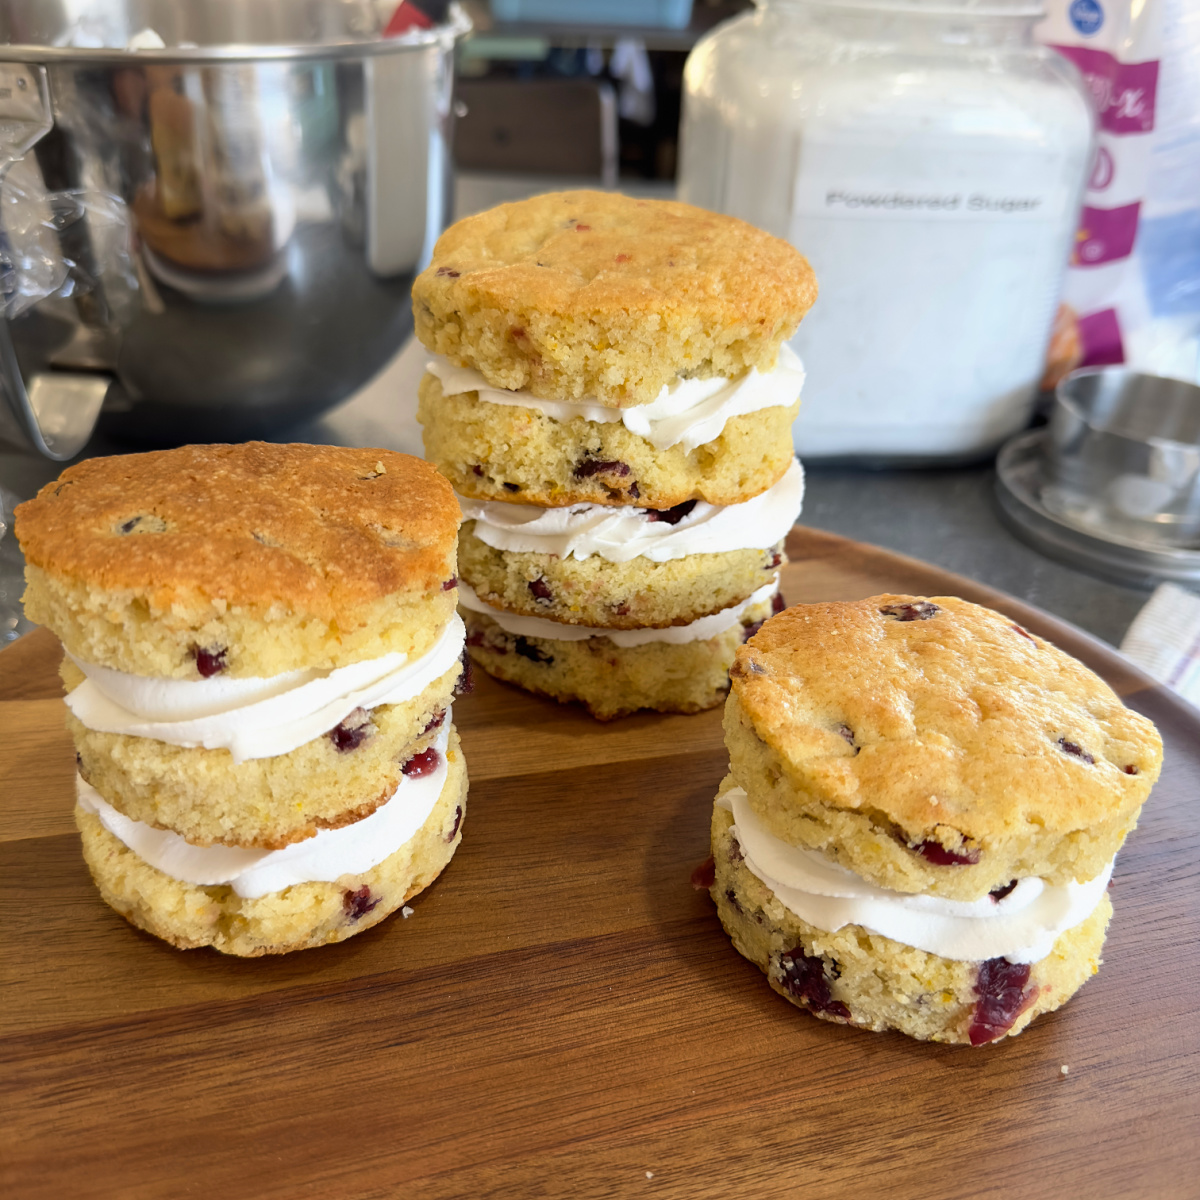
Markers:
point(928, 157)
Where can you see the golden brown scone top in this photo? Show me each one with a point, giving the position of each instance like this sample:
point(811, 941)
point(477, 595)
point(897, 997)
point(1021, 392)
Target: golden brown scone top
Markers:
point(317, 529)
point(936, 711)
point(524, 288)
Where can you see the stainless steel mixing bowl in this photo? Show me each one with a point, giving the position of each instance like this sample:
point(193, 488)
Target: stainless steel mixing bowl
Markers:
point(212, 210)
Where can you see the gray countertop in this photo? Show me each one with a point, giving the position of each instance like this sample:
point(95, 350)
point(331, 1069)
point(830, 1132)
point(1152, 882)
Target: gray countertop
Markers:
point(949, 518)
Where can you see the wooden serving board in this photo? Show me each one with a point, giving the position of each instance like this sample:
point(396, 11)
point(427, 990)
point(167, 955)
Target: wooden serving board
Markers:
point(562, 1016)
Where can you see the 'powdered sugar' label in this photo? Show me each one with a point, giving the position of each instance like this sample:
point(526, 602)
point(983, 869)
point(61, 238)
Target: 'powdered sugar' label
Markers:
point(824, 195)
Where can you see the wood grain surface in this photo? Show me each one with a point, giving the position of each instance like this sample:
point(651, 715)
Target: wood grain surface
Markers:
point(562, 1015)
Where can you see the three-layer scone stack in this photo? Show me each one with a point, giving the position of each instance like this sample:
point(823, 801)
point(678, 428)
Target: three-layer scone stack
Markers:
point(613, 403)
point(920, 819)
point(262, 650)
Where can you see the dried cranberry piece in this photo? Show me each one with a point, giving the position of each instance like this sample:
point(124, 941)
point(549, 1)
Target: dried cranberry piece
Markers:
point(352, 731)
point(424, 763)
point(1000, 986)
point(846, 732)
point(464, 685)
point(621, 258)
point(434, 722)
point(450, 584)
point(920, 610)
point(1130, 769)
point(600, 466)
point(746, 666)
point(776, 559)
point(939, 856)
point(457, 823)
point(477, 469)
point(748, 631)
point(735, 851)
point(704, 876)
point(778, 604)
point(358, 904)
point(635, 492)
point(448, 272)
point(210, 660)
point(1075, 750)
point(583, 228)
point(999, 893)
point(526, 649)
point(804, 979)
point(541, 589)
point(621, 610)
point(1025, 634)
point(672, 516)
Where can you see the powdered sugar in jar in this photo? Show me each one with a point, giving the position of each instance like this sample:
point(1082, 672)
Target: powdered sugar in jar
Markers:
point(928, 157)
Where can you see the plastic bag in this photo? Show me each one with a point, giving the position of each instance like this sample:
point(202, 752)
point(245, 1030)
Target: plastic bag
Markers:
point(1132, 293)
point(60, 243)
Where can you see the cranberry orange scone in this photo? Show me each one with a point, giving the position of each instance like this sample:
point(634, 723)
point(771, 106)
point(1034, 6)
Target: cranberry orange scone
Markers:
point(613, 401)
point(262, 650)
point(921, 815)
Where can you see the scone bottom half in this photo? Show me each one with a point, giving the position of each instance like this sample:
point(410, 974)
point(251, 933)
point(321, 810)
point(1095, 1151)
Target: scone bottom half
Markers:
point(854, 976)
point(960, 706)
point(301, 916)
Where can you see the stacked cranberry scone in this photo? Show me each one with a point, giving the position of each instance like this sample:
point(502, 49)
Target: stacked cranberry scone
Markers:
point(921, 814)
point(261, 652)
point(612, 400)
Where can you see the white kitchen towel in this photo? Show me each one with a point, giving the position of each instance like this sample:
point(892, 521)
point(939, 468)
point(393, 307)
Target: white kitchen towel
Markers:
point(1164, 640)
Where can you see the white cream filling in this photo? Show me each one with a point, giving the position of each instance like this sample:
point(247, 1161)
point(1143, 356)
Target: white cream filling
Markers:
point(255, 718)
point(322, 858)
point(689, 412)
point(1022, 927)
point(621, 533)
point(676, 635)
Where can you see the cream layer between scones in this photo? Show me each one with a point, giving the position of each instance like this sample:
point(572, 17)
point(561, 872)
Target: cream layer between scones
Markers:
point(677, 635)
point(325, 857)
point(690, 412)
point(622, 533)
point(255, 718)
point(1022, 925)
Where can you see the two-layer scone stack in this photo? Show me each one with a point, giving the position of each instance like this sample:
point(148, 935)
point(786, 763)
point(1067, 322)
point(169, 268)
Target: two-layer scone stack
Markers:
point(261, 652)
point(920, 819)
point(611, 399)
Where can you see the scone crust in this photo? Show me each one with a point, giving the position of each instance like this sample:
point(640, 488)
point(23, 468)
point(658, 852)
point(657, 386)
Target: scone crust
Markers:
point(519, 455)
point(264, 803)
point(190, 916)
point(289, 555)
point(863, 734)
point(610, 680)
point(882, 983)
point(598, 295)
point(638, 594)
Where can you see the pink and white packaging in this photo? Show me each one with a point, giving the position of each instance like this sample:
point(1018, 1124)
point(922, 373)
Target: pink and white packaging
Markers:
point(1134, 278)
